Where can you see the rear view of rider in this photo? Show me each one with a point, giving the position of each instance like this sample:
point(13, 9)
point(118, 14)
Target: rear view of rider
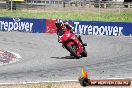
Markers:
point(66, 26)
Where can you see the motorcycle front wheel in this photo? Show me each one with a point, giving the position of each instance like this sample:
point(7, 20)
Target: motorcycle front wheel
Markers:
point(84, 54)
point(72, 50)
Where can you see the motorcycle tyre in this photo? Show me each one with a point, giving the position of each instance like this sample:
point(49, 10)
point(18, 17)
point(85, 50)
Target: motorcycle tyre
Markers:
point(70, 49)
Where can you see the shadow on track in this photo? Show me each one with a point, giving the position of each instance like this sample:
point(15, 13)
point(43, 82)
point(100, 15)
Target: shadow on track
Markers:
point(66, 57)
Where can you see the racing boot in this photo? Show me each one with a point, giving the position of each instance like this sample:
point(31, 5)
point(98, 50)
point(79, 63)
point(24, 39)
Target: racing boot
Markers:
point(84, 44)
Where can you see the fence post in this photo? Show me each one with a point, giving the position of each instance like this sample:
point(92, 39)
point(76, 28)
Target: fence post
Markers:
point(128, 5)
point(64, 4)
point(76, 3)
point(11, 5)
point(105, 4)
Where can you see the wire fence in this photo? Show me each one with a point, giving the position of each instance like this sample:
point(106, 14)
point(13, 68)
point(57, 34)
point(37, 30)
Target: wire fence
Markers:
point(63, 3)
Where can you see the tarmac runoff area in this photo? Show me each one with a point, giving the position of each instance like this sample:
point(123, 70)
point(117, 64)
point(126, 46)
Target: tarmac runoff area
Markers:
point(43, 58)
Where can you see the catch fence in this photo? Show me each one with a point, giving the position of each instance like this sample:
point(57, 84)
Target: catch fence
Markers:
point(27, 4)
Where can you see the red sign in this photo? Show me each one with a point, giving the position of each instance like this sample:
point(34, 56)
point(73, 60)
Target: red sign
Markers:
point(50, 26)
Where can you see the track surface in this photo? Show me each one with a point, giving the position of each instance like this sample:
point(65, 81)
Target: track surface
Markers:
point(43, 58)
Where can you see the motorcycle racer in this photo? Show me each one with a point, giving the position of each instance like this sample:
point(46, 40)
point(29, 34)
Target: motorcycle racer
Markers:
point(70, 41)
point(60, 25)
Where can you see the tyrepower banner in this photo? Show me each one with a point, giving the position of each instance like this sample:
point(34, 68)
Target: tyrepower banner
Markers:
point(96, 27)
point(23, 25)
point(102, 28)
point(81, 27)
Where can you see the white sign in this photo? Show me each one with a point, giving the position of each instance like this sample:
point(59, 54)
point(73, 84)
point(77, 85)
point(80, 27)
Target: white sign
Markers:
point(97, 30)
point(17, 25)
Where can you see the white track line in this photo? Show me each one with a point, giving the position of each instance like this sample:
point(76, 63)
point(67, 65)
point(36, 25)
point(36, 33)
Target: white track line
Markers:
point(62, 81)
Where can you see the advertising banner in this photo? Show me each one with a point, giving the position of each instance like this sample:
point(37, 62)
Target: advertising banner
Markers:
point(102, 28)
point(23, 25)
point(96, 27)
point(81, 27)
point(50, 26)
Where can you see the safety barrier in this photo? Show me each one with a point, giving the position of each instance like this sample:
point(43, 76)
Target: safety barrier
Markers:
point(81, 27)
point(23, 25)
point(102, 28)
point(98, 28)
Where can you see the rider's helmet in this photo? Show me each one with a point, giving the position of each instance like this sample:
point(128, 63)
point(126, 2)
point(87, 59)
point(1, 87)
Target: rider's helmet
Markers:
point(59, 23)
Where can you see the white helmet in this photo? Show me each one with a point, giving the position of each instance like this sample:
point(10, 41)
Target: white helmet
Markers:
point(58, 23)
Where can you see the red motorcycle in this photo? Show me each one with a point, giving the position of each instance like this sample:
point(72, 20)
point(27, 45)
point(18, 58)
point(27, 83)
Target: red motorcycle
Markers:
point(71, 42)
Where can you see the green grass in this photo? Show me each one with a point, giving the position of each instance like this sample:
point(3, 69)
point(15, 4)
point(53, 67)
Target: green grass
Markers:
point(76, 15)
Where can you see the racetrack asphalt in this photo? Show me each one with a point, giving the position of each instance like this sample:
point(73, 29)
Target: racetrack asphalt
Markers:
point(43, 58)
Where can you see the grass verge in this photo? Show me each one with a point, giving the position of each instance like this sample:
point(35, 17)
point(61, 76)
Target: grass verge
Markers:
point(70, 15)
